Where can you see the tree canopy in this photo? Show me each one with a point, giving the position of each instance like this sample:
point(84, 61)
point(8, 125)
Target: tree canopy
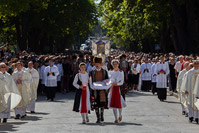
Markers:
point(140, 24)
point(46, 25)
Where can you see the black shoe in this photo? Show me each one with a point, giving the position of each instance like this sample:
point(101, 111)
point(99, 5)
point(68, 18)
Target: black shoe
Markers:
point(17, 116)
point(0, 120)
point(183, 112)
point(98, 121)
point(5, 120)
point(32, 112)
point(191, 119)
point(186, 115)
point(23, 116)
point(52, 99)
point(196, 120)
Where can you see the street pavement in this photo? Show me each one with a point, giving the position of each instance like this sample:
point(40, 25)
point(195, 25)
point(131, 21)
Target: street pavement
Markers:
point(144, 114)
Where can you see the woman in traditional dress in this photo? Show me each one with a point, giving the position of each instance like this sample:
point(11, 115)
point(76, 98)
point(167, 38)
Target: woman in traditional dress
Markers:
point(115, 99)
point(82, 98)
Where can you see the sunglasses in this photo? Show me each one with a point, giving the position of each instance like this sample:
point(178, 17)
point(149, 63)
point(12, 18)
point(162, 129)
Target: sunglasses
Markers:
point(2, 67)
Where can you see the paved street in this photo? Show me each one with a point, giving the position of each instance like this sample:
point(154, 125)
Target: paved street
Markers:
point(144, 114)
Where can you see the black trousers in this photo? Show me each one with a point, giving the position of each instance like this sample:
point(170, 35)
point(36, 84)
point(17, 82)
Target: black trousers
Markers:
point(146, 85)
point(51, 92)
point(162, 93)
point(153, 86)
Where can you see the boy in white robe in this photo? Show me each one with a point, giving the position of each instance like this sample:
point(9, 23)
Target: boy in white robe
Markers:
point(161, 70)
point(51, 72)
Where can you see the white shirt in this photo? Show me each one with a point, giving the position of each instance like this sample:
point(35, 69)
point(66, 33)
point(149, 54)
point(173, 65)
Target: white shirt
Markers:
point(161, 79)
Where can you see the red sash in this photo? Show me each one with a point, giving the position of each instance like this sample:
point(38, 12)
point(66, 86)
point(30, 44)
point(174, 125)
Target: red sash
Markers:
point(116, 98)
point(83, 101)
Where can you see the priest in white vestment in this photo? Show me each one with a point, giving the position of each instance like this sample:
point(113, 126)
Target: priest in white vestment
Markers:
point(180, 89)
point(34, 86)
point(190, 80)
point(9, 94)
point(23, 80)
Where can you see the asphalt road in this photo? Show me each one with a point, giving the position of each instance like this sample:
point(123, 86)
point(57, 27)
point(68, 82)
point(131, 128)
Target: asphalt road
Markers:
point(144, 114)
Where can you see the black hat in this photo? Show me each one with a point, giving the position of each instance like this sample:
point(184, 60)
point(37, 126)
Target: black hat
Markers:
point(97, 60)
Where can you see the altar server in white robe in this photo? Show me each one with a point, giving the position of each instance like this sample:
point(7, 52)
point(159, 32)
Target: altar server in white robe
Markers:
point(34, 86)
point(23, 80)
point(190, 80)
point(161, 70)
point(51, 72)
point(81, 83)
point(115, 99)
point(9, 94)
point(145, 71)
point(179, 87)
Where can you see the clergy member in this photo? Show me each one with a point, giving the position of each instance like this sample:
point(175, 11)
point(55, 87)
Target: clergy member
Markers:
point(190, 80)
point(145, 71)
point(161, 70)
point(9, 94)
point(51, 72)
point(23, 80)
point(179, 87)
point(34, 86)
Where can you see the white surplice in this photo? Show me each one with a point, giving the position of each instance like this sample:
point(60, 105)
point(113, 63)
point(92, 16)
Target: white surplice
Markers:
point(51, 80)
point(145, 76)
point(161, 79)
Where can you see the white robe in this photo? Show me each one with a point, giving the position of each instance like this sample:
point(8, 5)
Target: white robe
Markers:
point(34, 86)
point(116, 77)
point(190, 79)
point(9, 95)
point(25, 92)
point(179, 87)
point(51, 81)
point(161, 79)
point(84, 79)
point(145, 76)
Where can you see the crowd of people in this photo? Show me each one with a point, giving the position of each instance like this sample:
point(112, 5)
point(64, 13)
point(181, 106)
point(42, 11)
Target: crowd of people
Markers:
point(100, 82)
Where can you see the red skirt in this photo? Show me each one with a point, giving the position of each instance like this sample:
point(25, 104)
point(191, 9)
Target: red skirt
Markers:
point(116, 98)
point(83, 102)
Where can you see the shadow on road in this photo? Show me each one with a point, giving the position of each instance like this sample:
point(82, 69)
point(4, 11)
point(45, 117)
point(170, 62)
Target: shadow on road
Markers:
point(138, 93)
point(10, 127)
point(116, 124)
point(59, 97)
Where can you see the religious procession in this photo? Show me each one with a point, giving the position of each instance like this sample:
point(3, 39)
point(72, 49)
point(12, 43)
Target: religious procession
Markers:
point(100, 82)
point(106, 66)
